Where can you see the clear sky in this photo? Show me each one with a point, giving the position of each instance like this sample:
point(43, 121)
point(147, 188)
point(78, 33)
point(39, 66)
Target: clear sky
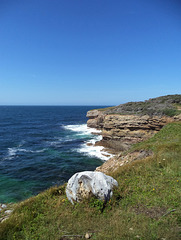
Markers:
point(88, 52)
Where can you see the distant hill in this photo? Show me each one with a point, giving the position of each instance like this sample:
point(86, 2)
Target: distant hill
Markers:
point(169, 105)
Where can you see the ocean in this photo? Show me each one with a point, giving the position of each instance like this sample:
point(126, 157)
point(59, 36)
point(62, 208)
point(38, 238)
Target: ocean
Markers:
point(43, 146)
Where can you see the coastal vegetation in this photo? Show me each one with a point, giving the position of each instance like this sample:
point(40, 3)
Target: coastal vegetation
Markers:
point(146, 204)
point(169, 105)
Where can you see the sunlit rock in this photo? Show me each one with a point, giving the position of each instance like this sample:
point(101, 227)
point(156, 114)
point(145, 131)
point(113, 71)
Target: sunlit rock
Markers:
point(86, 184)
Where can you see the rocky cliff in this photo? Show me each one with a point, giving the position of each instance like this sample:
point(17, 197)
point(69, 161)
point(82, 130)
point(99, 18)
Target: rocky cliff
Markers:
point(131, 123)
point(121, 131)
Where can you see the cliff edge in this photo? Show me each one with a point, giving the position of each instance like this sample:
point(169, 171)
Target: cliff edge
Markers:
point(133, 122)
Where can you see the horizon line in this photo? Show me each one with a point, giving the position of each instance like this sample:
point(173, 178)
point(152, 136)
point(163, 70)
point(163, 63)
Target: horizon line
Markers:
point(53, 105)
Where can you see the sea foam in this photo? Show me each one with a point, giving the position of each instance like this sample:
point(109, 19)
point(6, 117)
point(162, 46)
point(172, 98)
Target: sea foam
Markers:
point(81, 129)
point(88, 148)
point(12, 152)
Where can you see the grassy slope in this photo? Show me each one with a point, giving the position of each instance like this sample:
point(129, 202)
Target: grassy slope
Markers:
point(148, 189)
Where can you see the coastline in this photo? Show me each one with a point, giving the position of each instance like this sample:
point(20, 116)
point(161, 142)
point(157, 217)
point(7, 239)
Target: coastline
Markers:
point(150, 181)
point(39, 149)
point(114, 134)
point(92, 147)
point(147, 173)
point(121, 130)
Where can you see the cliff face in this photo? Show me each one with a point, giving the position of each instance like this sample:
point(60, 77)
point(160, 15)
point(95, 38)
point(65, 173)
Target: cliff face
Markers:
point(119, 132)
point(131, 123)
point(134, 122)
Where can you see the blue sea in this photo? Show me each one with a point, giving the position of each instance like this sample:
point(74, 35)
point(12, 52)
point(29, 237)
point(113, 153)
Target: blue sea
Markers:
point(42, 146)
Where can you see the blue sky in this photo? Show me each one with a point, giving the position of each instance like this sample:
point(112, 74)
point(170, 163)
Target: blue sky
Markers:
point(88, 52)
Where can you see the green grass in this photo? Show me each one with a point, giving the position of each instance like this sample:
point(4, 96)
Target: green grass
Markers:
point(171, 112)
point(103, 109)
point(148, 189)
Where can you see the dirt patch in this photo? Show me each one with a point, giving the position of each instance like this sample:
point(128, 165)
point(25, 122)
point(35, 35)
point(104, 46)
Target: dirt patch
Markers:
point(142, 154)
point(153, 212)
point(119, 160)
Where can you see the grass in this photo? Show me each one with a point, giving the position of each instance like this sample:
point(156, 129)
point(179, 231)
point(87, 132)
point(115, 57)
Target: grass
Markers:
point(141, 108)
point(103, 109)
point(145, 206)
point(171, 112)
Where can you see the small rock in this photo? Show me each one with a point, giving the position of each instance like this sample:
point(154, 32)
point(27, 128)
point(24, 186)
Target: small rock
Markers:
point(87, 236)
point(4, 219)
point(8, 211)
point(4, 206)
point(89, 144)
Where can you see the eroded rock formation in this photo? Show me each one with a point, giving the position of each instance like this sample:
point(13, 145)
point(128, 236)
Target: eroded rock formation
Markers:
point(131, 123)
point(121, 131)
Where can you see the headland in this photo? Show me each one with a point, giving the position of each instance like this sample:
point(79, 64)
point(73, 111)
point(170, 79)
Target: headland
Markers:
point(130, 123)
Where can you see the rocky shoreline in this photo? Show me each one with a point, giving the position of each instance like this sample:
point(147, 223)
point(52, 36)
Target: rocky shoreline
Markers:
point(5, 211)
point(121, 130)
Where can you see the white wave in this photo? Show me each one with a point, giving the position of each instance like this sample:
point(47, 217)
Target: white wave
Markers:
point(81, 129)
point(21, 143)
point(88, 147)
point(58, 142)
point(94, 151)
point(31, 151)
point(39, 151)
point(55, 143)
point(95, 139)
point(12, 152)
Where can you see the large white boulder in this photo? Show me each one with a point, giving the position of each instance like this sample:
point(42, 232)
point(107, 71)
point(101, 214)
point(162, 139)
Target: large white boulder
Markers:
point(86, 184)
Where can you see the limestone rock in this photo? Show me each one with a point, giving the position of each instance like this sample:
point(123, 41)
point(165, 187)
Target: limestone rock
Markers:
point(3, 206)
point(8, 211)
point(119, 132)
point(134, 122)
point(130, 123)
point(93, 114)
point(117, 161)
point(96, 119)
point(92, 123)
point(87, 236)
point(3, 219)
point(5, 211)
point(86, 184)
